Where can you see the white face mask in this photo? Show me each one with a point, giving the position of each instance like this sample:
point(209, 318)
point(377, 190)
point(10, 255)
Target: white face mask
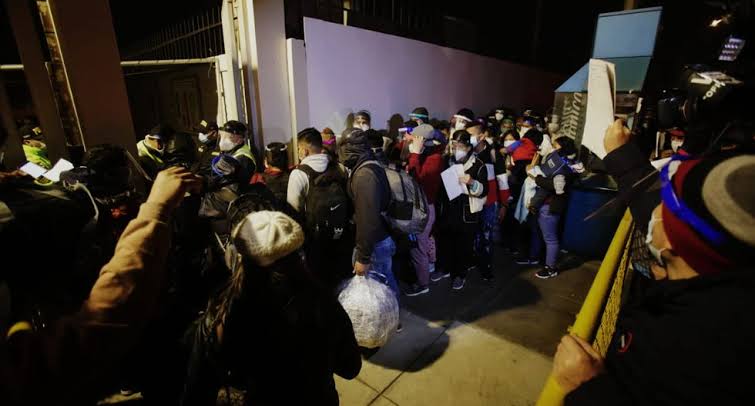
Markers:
point(226, 144)
point(459, 155)
point(523, 130)
point(655, 252)
point(473, 141)
point(498, 116)
point(204, 138)
point(676, 144)
point(508, 143)
point(459, 125)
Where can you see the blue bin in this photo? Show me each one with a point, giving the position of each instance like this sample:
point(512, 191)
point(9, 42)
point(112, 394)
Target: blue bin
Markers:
point(590, 238)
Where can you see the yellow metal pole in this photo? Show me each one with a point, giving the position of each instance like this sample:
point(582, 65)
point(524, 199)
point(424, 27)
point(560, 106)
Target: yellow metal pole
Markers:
point(588, 316)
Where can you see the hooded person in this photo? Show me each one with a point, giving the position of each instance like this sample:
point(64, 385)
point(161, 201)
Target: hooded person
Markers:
point(152, 149)
point(702, 241)
point(370, 194)
point(461, 218)
point(271, 284)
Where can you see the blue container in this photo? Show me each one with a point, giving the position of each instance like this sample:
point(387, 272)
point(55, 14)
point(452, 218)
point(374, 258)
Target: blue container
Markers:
point(590, 238)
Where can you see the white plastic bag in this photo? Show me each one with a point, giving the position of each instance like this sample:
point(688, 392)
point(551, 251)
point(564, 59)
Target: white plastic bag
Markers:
point(372, 308)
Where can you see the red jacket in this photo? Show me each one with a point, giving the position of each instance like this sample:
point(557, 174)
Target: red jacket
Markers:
point(427, 171)
point(524, 149)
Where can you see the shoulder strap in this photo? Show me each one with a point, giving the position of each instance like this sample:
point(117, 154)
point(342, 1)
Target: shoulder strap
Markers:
point(311, 174)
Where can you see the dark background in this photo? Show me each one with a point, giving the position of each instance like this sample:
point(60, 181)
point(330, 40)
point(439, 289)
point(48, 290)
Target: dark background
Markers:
point(554, 35)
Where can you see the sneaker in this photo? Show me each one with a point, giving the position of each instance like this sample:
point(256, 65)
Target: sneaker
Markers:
point(458, 283)
point(527, 261)
point(416, 290)
point(438, 275)
point(547, 273)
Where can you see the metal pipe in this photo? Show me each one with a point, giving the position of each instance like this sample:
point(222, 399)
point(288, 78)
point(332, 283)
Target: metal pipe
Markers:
point(149, 62)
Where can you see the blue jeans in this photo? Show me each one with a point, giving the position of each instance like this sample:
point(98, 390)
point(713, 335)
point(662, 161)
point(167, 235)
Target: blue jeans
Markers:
point(547, 224)
point(381, 264)
point(483, 246)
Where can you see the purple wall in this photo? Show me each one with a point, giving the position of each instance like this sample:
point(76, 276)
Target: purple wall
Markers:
point(350, 68)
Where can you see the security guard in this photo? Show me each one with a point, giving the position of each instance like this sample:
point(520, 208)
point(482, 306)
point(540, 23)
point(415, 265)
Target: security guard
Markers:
point(152, 148)
point(34, 145)
point(233, 143)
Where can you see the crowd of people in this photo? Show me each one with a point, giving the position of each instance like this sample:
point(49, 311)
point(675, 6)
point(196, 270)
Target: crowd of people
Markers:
point(227, 272)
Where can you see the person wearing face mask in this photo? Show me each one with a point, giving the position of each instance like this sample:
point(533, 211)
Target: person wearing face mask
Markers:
point(461, 218)
point(425, 164)
point(233, 143)
point(207, 147)
point(399, 152)
point(362, 120)
point(420, 115)
point(370, 194)
point(462, 118)
point(559, 168)
point(701, 236)
point(152, 149)
point(483, 149)
point(677, 143)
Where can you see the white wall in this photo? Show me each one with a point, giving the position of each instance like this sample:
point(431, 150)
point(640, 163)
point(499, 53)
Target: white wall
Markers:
point(264, 47)
point(349, 69)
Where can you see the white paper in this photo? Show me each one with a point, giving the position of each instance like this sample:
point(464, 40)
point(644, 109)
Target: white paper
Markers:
point(61, 166)
point(450, 179)
point(601, 96)
point(33, 170)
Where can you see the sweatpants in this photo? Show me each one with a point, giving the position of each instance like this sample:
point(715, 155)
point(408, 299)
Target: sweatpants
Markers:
point(424, 254)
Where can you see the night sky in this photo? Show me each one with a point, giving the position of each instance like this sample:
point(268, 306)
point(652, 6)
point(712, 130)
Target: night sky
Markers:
point(502, 29)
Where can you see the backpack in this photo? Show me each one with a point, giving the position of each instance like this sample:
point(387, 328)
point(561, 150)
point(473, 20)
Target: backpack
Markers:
point(407, 209)
point(327, 206)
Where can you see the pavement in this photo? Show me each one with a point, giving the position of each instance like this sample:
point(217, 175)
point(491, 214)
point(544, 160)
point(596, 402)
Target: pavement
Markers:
point(488, 344)
point(491, 343)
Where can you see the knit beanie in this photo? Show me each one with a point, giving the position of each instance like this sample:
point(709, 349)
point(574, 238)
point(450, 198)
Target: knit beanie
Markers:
point(420, 113)
point(267, 236)
point(713, 229)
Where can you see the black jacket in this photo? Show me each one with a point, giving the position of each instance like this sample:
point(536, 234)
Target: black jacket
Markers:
point(688, 342)
point(631, 168)
point(370, 192)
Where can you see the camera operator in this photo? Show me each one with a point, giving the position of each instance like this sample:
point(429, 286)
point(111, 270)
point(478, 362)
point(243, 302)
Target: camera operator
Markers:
point(668, 348)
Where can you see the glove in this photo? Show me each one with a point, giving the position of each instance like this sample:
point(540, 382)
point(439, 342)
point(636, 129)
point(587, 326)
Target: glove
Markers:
point(224, 165)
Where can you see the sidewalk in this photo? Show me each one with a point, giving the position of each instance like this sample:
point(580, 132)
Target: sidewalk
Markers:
point(489, 344)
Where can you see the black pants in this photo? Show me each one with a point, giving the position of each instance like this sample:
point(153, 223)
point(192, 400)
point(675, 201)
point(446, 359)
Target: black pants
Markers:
point(456, 248)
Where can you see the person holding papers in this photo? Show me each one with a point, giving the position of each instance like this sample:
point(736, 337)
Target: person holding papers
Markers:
point(463, 214)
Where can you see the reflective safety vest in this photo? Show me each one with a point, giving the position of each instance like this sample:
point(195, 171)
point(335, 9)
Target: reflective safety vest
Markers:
point(144, 151)
point(246, 151)
point(37, 156)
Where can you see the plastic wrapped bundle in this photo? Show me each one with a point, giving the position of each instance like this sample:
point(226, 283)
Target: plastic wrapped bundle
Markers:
point(372, 308)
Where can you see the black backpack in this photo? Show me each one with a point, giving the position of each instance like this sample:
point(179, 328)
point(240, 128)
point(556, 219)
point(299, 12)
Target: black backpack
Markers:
point(327, 207)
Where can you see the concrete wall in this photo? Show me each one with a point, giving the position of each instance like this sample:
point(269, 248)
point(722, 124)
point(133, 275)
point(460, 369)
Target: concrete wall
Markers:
point(152, 96)
point(350, 69)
